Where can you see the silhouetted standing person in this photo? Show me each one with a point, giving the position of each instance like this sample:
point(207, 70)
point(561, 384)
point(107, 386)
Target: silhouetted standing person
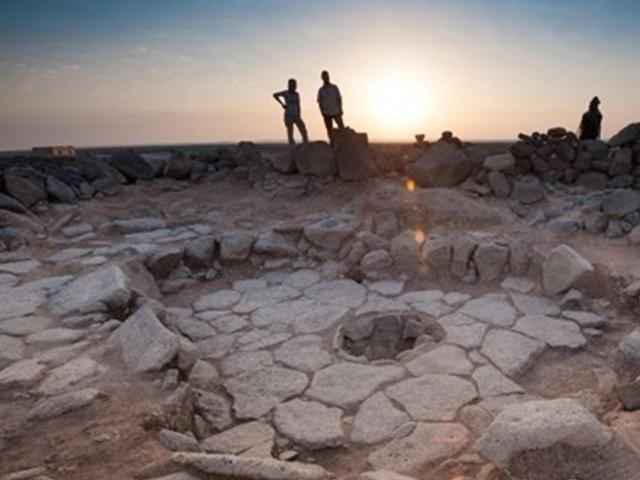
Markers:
point(290, 101)
point(591, 121)
point(330, 102)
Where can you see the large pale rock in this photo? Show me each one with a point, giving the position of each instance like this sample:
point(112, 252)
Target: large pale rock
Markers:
point(540, 425)
point(511, 352)
point(377, 420)
point(60, 404)
point(492, 382)
point(433, 397)
point(405, 248)
point(375, 261)
point(146, 344)
point(17, 302)
point(250, 467)
point(443, 165)
point(429, 443)
point(562, 268)
point(315, 158)
point(347, 384)
point(256, 392)
point(310, 424)
point(104, 288)
point(462, 330)
point(500, 162)
point(235, 246)
point(214, 409)
point(239, 438)
point(332, 232)
point(198, 253)
point(491, 258)
point(555, 333)
point(534, 304)
point(491, 310)
point(22, 374)
point(628, 354)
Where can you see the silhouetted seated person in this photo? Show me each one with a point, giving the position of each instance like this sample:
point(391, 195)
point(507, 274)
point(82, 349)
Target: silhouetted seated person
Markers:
point(290, 101)
point(330, 102)
point(591, 121)
point(448, 137)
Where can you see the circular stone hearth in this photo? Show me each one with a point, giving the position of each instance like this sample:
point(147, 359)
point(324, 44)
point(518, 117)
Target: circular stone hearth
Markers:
point(382, 336)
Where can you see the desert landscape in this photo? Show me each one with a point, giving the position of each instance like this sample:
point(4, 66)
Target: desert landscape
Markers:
point(441, 310)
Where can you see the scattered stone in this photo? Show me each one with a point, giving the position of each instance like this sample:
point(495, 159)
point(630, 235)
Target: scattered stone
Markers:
point(621, 202)
point(518, 284)
point(240, 438)
point(347, 384)
point(235, 246)
point(429, 443)
point(500, 162)
point(204, 375)
point(274, 244)
point(540, 425)
point(198, 253)
point(389, 288)
point(491, 260)
point(23, 326)
point(377, 420)
point(585, 319)
point(331, 232)
point(177, 442)
point(251, 301)
point(562, 268)
point(627, 354)
point(385, 224)
point(629, 394)
point(528, 192)
point(310, 424)
point(214, 409)
point(76, 372)
point(145, 343)
point(22, 374)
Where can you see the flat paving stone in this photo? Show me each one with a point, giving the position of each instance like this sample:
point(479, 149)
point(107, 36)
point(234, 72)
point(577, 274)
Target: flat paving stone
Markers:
point(304, 353)
point(229, 323)
point(340, 293)
point(380, 303)
point(267, 341)
point(215, 347)
point(241, 362)
point(76, 372)
point(388, 288)
point(511, 352)
point(492, 382)
point(433, 397)
point(23, 326)
point(435, 309)
point(462, 330)
point(69, 254)
point(220, 300)
point(534, 304)
point(427, 444)
point(302, 279)
point(192, 328)
point(55, 337)
point(491, 310)
point(20, 267)
point(348, 384)
point(251, 301)
point(282, 314)
point(456, 298)
point(377, 420)
point(555, 333)
point(239, 438)
point(518, 284)
point(319, 318)
point(18, 302)
point(311, 425)
point(422, 296)
point(447, 359)
point(256, 393)
point(585, 319)
point(249, 285)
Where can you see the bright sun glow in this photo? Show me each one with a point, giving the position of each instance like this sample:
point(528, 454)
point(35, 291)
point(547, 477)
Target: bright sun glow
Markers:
point(399, 102)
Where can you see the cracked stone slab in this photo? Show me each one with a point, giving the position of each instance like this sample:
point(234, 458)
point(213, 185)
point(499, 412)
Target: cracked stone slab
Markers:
point(388, 288)
point(491, 310)
point(245, 362)
point(265, 342)
point(319, 318)
point(456, 298)
point(215, 347)
point(534, 304)
point(377, 420)
point(220, 300)
point(447, 359)
point(239, 438)
point(347, 384)
point(341, 293)
point(303, 353)
point(253, 300)
point(511, 352)
point(555, 333)
point(428, 443)
point(256, 393)
point(18, 302)
point(435, 309)
point(379, 303)
point(491, 382)
point(433, 397)
point(310, 424)
point(584, 319)
point(229, 323)
point(462, 330)
point(302, 279)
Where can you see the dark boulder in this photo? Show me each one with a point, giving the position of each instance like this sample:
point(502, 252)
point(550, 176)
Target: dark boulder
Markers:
point(353, 156)
point(629, 134)
point(315, 158)
point(443, 165)
point(178, 167)
point(11, 204)
point(25, 185)
point(131, 165)
point(59, 191)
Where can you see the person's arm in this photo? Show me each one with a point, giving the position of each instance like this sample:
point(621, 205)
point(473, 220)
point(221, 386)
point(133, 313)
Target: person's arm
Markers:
point(278, 97)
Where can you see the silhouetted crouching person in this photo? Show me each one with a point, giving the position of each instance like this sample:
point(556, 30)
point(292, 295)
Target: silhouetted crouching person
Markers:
point(591, 121)
point(330, 102)
point(290, 101)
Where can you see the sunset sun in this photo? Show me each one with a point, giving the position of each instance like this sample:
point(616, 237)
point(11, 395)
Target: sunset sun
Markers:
point(399, 101)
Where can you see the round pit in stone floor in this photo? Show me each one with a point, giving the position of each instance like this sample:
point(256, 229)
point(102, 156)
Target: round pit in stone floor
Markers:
point(382, 336)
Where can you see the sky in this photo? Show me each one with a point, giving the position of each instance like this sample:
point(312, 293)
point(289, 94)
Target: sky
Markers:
point(132, 72)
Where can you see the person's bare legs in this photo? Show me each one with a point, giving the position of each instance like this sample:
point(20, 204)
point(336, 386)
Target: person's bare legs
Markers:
point(289, 124)
point(339, 121)
point(328, 123)
point(302, 128)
